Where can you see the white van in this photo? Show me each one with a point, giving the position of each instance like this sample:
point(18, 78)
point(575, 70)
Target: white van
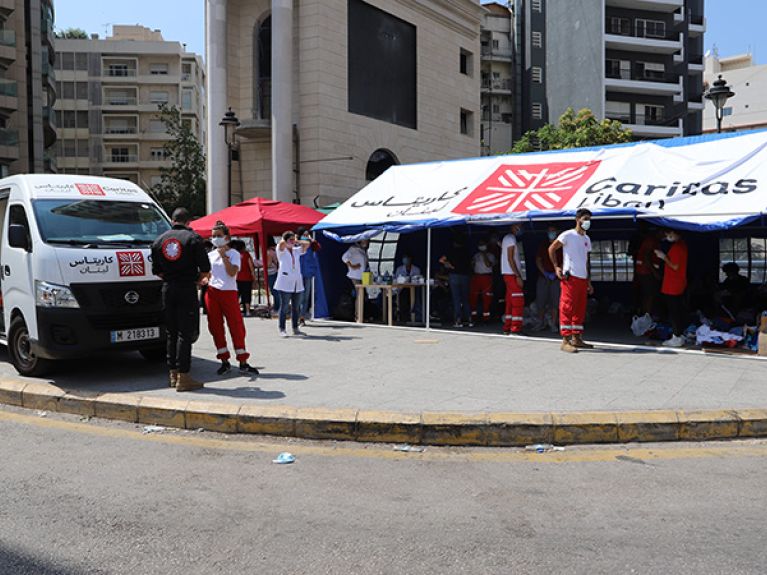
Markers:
point(76, 270)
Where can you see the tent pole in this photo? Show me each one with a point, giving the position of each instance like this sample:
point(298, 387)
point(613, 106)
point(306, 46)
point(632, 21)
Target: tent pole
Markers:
point(428, 279)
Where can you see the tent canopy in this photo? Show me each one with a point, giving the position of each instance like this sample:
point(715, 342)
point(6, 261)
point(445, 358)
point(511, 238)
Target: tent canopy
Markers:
point(698, 183)
point(259, 216)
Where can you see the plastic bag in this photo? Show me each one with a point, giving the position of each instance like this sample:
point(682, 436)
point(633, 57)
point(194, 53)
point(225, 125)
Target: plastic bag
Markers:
point(642, 324)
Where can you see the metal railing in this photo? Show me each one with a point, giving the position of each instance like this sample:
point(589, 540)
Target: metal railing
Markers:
point(500, 52)
point(121, 159)
point(115, 101)
point(644, 119)
point(8, 37)
point(643, 76)
point(120, 72)
point(631, 30)
point(186, 77)
point(121, 131)
point(497, 84)
point(8, 87)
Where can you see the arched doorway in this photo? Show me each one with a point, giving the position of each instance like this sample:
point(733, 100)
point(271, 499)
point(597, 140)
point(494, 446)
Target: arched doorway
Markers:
point(262, 69)
point(379, 161)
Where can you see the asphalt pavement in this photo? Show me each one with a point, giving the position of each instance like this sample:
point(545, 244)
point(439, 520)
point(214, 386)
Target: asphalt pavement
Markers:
point(94, 497)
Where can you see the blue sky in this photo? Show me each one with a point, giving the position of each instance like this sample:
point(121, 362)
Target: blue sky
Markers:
point(734, 26)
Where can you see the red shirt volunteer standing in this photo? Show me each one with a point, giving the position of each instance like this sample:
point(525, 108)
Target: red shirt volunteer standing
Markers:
point(222, 301)
point(574, 274)
point(674, 285)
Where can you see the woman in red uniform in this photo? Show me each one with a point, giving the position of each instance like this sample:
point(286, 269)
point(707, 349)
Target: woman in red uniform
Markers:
point(222, 301)
point(674, 285)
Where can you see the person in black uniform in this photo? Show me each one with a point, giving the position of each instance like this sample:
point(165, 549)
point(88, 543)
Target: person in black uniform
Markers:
point(179, 258)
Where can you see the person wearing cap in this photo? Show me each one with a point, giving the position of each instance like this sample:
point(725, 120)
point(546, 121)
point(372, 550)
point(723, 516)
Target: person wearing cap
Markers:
point(574, 274)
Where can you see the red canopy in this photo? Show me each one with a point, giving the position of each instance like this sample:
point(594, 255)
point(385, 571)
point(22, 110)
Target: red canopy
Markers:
point(259, 216)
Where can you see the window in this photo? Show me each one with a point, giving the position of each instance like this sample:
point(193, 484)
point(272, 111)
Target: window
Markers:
point(158, 154)
point(156, 126)
point(69, 148)
point(650, 28)
point(467, 122)
point(618, 69)
point(466, 62)
point(186, 99)
point(537, 39)
point(381, 56)
point(82, 119)
point(749, 253)
point(67, 90)
point(82, 148)
point(620, 111)
point(186, 72)
point(620, 26)
point(68, 120)
point(537, 111)
point(81, 61)
point(158, 97)
point(17, 216)
point(379, 161)
point(653, 114)
point(537, 5)
point(496, 44)
point(158, 69)
point(537, 73)
point(496, 108)
point(262, 73)
point(67, 61)
point(81, 90)
point(727, 111)
point(610, 261)
point(651, 70)
point(381, 253)
point(155, 181)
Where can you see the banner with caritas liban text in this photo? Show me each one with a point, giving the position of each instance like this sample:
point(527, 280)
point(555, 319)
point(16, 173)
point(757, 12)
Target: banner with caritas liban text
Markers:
point(710, 182)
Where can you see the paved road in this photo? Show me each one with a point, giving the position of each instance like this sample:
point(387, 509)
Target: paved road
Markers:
point(86, 498)
point(347, 366)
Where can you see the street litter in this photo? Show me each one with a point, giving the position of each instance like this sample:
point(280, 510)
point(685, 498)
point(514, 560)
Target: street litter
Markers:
point(153, 429)
point(284, 458)
point(42, 413)
point(543, 447)
point(410, 448)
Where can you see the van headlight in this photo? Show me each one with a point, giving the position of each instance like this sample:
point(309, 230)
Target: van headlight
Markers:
point(52, 295)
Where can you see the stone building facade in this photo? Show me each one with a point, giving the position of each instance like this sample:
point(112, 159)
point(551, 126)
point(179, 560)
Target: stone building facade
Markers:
point(331, 92)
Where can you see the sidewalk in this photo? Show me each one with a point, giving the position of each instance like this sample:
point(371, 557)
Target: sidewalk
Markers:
point(439, 378)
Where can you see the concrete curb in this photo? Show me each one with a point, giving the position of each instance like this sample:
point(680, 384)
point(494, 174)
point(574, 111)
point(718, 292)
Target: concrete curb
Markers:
point(487, 429)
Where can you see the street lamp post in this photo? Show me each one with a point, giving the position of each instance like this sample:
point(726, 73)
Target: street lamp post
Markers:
point(719, 93)
point(229, 122)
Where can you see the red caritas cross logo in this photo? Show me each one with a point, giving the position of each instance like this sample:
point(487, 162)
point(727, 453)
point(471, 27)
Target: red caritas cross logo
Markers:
point(131, 264)
point(171, 249)
point(514, 188)
point(90, 190)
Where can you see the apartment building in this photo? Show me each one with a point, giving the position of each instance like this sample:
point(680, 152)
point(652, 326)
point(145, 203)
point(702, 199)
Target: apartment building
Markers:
point(747, 110)
point(330, 93)
point(497, 78)
point(637, 61)
point(27, 87)
point(109, 93)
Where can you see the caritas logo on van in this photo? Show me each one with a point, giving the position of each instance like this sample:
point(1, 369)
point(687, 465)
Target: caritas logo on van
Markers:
point(515, 188)
point(90, 190)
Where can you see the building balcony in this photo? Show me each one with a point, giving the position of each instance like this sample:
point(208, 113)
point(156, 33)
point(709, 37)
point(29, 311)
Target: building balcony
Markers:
point(9, 144)
point(500, 54)
point(497, 85)
point(8, 87)
point(120, 132)
point(633, 39)
point(50, 162)
point(649, 126)
point(652, 84)
point(7, 7)
point(129, 161)
point(665, 6)
point(119, 73)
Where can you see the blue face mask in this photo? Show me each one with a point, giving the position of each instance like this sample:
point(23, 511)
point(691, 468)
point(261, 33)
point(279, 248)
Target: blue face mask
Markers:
point(552, 236)
point(405, 261)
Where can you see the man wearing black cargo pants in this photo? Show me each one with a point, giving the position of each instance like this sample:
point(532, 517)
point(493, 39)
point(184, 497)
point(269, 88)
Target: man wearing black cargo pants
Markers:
point(180, 259)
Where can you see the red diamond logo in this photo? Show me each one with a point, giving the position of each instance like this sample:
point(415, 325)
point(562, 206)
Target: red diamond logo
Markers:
point(515, 188)
point(131, 264)
point(90, 190)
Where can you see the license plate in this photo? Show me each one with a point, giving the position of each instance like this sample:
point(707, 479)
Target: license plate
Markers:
point(138, 334)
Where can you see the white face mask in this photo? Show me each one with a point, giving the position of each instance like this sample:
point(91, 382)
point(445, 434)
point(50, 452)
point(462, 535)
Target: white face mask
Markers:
point(586, 225)
point(482, 248)
point(218, 242)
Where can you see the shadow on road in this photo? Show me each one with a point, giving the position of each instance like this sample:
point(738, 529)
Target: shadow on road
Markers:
point(18, 563)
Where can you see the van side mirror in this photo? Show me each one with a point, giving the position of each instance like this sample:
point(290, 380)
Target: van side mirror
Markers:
point(18, 237)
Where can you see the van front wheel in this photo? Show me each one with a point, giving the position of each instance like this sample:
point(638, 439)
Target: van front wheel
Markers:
point(23, 357)
point(154, 354)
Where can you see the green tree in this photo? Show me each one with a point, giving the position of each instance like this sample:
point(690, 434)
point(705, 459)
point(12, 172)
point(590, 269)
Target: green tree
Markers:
point(72, 34)
point(183, 183)
point(579, 130)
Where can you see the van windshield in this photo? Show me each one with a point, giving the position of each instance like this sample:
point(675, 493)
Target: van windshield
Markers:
point(99, 222)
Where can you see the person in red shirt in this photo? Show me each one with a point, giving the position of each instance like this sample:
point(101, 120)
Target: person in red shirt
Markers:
point(674, 285)
point(245, 277)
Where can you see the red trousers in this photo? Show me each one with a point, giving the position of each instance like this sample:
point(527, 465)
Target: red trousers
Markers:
point(226, 305)
point(481, 285)
point(572, 306)
point(515, 305)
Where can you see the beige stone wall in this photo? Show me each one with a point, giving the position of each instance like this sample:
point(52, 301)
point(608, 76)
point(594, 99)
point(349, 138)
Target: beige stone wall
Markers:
point(326, 129)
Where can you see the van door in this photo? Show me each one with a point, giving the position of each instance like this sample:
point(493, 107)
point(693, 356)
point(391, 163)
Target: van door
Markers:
point(16, 267)
point(4, 194)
